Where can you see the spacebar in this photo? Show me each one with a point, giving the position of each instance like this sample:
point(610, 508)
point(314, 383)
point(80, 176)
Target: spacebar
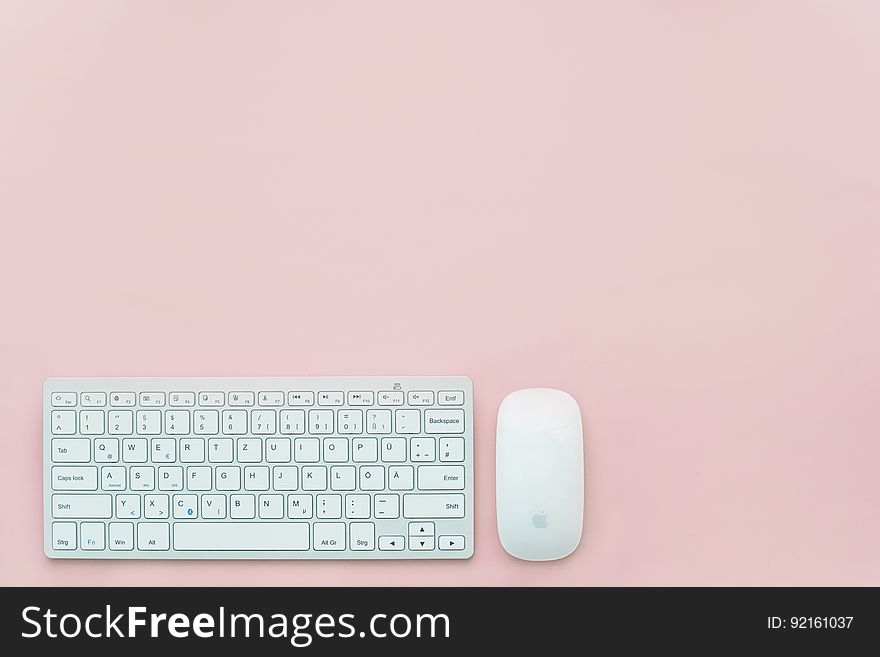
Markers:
point(210, 536)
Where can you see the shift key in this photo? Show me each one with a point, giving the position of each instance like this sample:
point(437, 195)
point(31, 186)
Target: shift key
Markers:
point(81, 506)
point(433, 506)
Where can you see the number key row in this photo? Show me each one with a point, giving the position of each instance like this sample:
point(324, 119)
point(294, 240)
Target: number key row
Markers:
point(262, 422)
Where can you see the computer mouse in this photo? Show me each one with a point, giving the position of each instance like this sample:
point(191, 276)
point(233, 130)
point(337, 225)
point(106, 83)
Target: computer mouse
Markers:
point(539, 474)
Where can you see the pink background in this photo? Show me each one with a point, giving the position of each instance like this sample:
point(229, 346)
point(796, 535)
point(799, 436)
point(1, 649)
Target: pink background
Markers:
point(671, 210)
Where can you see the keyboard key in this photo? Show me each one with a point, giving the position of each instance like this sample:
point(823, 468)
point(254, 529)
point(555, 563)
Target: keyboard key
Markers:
point(163, 450)
point(91, 536)
point(271, 506)
point(242, 507)
point(386, 505)
point(87, 399)
point(361, 398)
point(444, 421)
point(421, 528)
point(301, 398)
point(75, 478)
point(314, 477)
point(271, 398)
point(321, 422)
point(128, 506)
point(408, 421)
point(171, 478)
point(328, 506)
point(182, 399)
point(82, 506)
point(400, 477)
point(421, 542)
point(342, 477)
point(91, 423)
point(293, 422)
point(213, 507)
point(336, 450)
point(372, 477)
point(241, 398)
point(122, 399)
point(71, 450)
point(365, 450)
point(120, 423)
point(134, 450)
point(234, 422)
point(192, 450)
point(154, 535)
point(420, 398)
point(306, 450)
point(121, 536)
point(185, 506)
point(441, 477)
point(63, 423)
point(141, 478)
point(379, 421)
point(278, 450)
point(63, 399)
point(152, 399)
point(421, 449)
point(350, 421)
point(394, 450)
point(228, 477)
point(332, 398)
point(64, 535)
point(433, 506)
point(149, 423)
point(450, 398)
point(256, 477)
point(206, 423)
point(284, 477)
point(249, 450)
point(299, 506)
point(113, 477)
point(452, 449)
point(198, 477)
point(357, 506)
point(391, 398)
point(106, 450)
point(227, 536)
point(156, 506)
point(263, 422)
point(362, 536)
point(177, 423)
point(220, 450)
point(212, 398)
point(394, 543)
point(329, 535)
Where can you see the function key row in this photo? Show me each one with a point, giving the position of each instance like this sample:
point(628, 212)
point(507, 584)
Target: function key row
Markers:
point(264, 398)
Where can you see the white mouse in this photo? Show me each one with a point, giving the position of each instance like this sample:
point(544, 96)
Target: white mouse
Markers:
point(539, 474)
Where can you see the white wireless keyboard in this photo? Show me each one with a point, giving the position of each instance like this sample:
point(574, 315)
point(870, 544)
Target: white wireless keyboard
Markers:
point(258, 468)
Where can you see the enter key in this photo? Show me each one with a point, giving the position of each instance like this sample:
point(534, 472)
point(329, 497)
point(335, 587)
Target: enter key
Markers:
point(441, 477)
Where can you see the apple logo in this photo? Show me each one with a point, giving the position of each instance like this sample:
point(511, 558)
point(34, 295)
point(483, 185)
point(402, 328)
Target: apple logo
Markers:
point(539, 520)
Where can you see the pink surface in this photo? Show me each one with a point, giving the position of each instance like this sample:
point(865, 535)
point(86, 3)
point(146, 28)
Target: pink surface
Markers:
point(670, 210)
